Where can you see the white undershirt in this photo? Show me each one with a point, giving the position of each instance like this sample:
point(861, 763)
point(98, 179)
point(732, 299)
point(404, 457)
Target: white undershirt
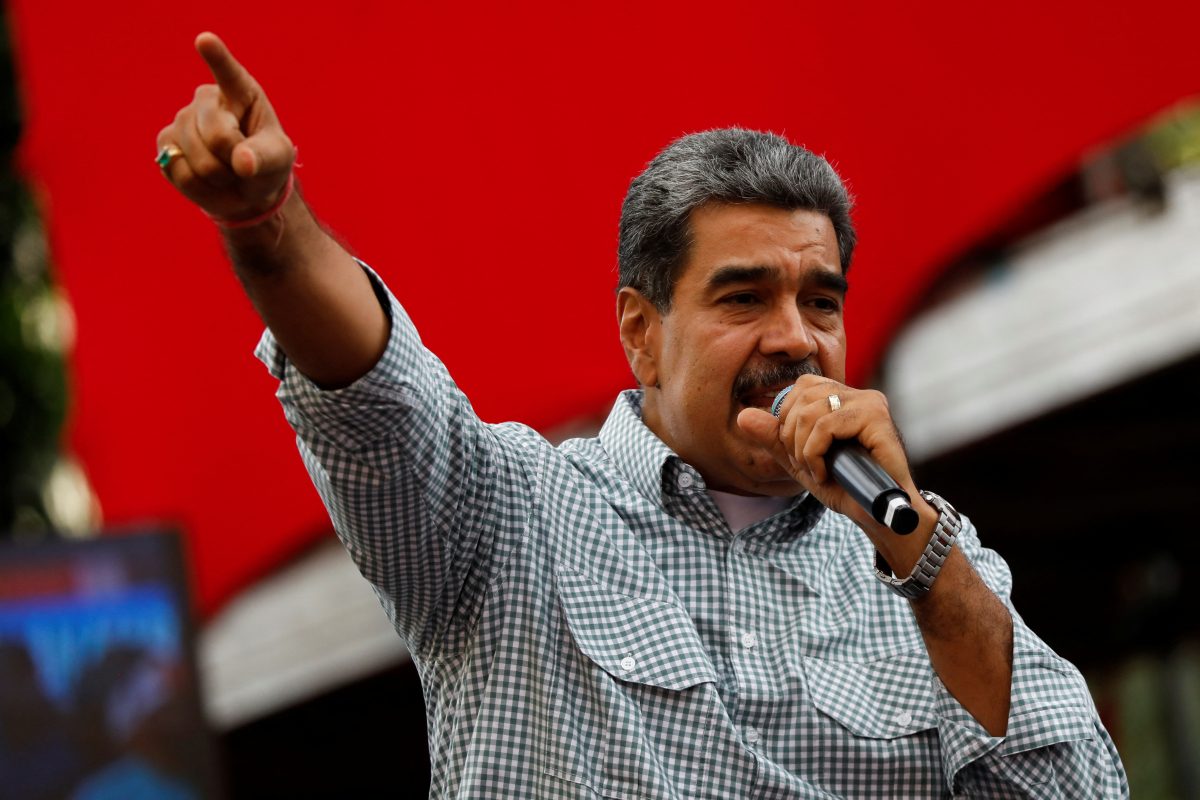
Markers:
point(742, 511)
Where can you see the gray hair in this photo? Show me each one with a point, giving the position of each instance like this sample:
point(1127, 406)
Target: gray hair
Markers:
point(729, 165)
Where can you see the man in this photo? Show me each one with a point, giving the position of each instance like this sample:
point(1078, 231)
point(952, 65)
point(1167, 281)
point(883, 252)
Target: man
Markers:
point(668, 610)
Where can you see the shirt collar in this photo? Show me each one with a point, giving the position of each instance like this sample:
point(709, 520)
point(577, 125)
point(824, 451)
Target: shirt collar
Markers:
point(640, 455)
point(654, 469)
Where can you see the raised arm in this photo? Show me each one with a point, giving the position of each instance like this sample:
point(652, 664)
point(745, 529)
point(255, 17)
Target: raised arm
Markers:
point(227, 153)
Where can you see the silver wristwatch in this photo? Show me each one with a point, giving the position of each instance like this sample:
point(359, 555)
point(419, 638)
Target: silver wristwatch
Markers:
point(928, 566)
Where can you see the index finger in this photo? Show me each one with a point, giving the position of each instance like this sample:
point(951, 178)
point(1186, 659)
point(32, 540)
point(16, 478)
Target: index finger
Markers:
point(236, 83)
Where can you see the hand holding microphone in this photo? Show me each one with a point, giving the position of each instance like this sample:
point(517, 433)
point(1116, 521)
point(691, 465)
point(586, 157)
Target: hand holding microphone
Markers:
point(863, 479)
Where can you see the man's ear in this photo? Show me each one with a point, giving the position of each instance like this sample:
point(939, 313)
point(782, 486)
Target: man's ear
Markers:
point(641, 334)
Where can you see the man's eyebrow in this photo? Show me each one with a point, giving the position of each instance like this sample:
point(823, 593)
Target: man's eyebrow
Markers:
point(834, 281)
point(825, 279)
point(735, 274)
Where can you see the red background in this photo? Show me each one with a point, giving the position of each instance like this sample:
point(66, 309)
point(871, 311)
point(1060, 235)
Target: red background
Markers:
point(476, 154)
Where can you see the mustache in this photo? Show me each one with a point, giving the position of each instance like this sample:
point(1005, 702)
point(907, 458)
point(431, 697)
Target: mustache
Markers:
point(756, 379)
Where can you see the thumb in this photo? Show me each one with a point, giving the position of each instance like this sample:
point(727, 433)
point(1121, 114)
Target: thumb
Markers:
point(760, 426)
point(266, 153)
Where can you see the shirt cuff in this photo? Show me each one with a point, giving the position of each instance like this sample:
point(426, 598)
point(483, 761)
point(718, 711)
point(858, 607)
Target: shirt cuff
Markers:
point(1049, 704)
point(364, 410)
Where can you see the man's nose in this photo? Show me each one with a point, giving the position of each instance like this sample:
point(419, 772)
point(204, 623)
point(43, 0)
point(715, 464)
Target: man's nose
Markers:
point(787, 334)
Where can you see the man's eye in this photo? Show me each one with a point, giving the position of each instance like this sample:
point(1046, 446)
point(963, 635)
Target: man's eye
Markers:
point(826, 304)
point(741, 299)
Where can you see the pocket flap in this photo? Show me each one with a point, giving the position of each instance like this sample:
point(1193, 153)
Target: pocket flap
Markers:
point(634, 639)
point(882, 699)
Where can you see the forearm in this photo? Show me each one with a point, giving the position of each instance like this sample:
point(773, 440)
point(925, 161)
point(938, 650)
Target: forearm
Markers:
point(967, 629)
point(968, 635)
point(227, 152)
point(312, 294)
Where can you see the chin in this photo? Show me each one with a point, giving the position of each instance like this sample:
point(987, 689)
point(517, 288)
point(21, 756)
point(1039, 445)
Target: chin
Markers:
point(766, 477)
point(781, 487)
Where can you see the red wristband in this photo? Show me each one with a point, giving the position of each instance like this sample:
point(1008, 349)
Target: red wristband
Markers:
point(234, 224)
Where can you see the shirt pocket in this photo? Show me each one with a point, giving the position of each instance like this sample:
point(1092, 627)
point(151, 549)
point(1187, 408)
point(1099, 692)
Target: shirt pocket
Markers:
point(880, 718)
point(634, 694)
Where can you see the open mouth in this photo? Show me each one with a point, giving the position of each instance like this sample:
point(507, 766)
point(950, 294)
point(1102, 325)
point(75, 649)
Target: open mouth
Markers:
point(757, 387)
point(761, 397)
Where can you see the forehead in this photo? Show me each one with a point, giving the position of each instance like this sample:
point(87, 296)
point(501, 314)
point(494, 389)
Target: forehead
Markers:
point(752, 234)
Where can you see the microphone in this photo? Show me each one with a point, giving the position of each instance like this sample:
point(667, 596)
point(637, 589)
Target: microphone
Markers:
point(865, 481)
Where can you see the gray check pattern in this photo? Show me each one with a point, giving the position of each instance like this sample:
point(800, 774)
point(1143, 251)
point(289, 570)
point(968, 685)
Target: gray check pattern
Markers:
point(586, 625)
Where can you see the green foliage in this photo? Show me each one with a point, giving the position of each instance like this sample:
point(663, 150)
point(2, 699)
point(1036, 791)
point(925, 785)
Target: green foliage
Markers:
point(33, 383)
point(1175, 137)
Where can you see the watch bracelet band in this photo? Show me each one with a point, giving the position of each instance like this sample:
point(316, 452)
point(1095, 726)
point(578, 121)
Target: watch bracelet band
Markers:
point(926, 570)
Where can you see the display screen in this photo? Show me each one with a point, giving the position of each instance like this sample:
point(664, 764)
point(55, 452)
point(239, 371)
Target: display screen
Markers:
point(98, 689)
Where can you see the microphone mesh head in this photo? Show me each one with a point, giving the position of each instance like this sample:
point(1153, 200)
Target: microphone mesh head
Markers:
point(777, 403)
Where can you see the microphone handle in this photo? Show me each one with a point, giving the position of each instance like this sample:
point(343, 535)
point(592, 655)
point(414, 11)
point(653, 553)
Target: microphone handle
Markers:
point(871, 487)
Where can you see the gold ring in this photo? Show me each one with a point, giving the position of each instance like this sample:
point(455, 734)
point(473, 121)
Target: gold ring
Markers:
point(834, 401)
point(166, 155)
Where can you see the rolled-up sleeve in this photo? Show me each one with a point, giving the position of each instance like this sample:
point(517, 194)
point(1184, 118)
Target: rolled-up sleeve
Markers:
point(1055, 744)
point(426, 497)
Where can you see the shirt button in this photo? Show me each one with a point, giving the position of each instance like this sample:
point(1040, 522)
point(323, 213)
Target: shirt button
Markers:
point(628, 663)
point(684, 481)
point(903, 719)
point(750, 640)
point(739, 545)
point(752, 736)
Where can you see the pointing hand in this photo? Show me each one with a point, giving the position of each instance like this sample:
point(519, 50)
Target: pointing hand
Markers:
point(226, 151)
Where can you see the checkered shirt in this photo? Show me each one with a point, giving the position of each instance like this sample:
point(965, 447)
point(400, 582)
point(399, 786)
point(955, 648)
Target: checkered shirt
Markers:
point(586, 624)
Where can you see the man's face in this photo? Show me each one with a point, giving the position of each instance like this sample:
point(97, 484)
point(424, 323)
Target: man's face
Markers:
point(758, 303)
